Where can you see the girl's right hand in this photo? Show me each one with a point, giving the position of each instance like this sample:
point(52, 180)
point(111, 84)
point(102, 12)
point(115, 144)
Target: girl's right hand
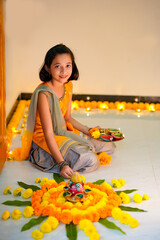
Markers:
point(66, 172)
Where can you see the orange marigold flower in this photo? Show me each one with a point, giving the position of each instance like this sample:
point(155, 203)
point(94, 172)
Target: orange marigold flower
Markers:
point(87, 215)
point(104, 158)
point(77, 218)
point(93, 130)
point(36, 199)
point(39, 193)
point(38, 211)
point(109, 210)
point(66, 217)
point(36, 204)
point(103, 212)
point(96, 217)
point(57, 214)
point(47, 211)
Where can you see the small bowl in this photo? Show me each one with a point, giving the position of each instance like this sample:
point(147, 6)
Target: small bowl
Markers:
point(107, 138)
point(113, 130)
point(117, 135)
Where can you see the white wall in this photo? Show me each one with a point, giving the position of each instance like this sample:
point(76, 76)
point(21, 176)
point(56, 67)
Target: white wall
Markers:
point(116, 44)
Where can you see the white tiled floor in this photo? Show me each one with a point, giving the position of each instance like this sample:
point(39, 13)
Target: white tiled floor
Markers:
point(136, 159)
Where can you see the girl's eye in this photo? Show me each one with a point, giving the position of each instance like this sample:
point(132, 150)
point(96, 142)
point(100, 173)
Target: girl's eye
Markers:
point(57, 66)
point(69, 65)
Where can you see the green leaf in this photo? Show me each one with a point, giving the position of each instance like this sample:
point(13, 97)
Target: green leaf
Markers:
point(25, 186)
point(110, 225)
point(58, 178)
point(17, 203)
point(33, 222)
point(71, 231)
point(99, 182)
point(130, 209)
point(126, 191)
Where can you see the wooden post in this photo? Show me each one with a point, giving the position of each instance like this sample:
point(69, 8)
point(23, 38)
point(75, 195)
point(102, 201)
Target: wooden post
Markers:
point(2, 90)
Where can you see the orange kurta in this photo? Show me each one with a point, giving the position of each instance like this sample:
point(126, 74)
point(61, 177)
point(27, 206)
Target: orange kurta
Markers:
point(38, 135)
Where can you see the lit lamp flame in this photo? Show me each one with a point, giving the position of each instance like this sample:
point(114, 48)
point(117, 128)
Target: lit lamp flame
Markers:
point(88, 109)
point(120, 107)
point(103, 106)
point(138, 110)
point(74, 106)
point(13, 129)
point(151, 108)
point(10, 155)
point(18, 131)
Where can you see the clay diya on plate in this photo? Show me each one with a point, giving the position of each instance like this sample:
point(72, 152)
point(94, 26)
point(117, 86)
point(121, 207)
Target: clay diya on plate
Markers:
point(105, 137)
point(75, 191)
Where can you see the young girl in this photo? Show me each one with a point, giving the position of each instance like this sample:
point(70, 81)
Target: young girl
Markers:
point(54, 148)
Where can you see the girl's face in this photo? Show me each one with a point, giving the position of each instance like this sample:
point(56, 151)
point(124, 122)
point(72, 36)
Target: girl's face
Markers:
point(61, 68)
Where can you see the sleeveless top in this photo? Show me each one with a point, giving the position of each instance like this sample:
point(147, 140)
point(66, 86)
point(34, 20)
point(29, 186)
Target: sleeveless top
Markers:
point(38, 135)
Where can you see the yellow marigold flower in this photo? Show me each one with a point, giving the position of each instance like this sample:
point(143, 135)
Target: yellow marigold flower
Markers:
point(116, 183)
point(125, 218)
point(38, 180)
point(122, 181)
point(36, 234)
point(45, 227)
point(145, 197)
point(125, 198)
point(28, 212)
point(46, 195)
point(51, 181)
point(60, 188)
point(96, 134)
point(86, 202)
point(87, 187)
point(68, 204)
point(51, 190)
point(78, 204)
point(91, 209)
point(116, 213)
point(137, 198)
point(16, 214)
point(61, 200)
point(94, 236)
point(106, 185)
point(28, 193)
point(89, 230)
point(5, 215)
point(74, 211)
point(7, 190)
point(84, 223)
point(53, 222)
point(17, 191)
point(44, 181)
point(133, 223)
point(44, 203)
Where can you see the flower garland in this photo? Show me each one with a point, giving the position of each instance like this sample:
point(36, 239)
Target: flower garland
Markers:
point(48, 203)
point(121, 106)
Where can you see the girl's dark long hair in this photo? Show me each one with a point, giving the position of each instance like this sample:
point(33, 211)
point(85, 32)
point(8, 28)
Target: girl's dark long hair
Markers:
point(50, 55)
